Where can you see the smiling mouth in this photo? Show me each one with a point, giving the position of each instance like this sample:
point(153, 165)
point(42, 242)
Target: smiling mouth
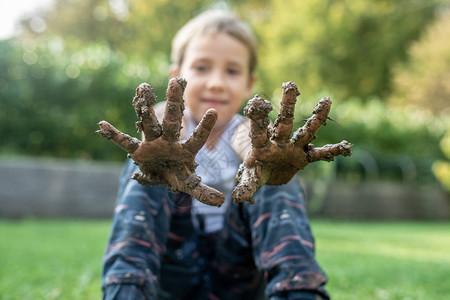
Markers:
point(212, 103)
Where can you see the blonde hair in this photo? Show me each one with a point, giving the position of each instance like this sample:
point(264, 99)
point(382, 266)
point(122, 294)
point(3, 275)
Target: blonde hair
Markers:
point(211, 22)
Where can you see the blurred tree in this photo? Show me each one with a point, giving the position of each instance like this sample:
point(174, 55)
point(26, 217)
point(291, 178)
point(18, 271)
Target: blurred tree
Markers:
point(49, 109)
point(141, 30)
point(344, 46)
point(384, 135)
point(441, 168)
point(424, 80)
point(78, 63)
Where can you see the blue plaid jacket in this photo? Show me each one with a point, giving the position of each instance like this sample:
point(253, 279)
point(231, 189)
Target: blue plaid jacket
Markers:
point(264, 251)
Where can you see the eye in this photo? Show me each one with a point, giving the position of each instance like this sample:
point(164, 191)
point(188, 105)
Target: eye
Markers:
point(233, 71)
point(201, 68)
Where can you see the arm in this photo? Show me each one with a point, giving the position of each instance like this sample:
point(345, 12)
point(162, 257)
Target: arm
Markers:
point(139, 231)
point(283, 243)
point(144, 243)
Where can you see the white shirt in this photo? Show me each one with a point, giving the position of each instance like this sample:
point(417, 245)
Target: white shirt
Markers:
point(217, 168)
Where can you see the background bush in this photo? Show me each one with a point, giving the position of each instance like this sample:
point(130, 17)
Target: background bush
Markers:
point(80, 61)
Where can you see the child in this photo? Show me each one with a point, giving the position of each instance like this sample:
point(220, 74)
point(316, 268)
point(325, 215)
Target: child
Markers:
point(166, 245)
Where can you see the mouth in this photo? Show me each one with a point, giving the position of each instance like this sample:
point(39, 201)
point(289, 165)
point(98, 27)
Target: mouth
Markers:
point(214, 103)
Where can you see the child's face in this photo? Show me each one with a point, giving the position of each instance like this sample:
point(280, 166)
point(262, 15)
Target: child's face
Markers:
point(216, 68)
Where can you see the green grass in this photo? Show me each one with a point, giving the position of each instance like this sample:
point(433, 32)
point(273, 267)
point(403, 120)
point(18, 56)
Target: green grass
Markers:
point(59, 259)
point(401, 261)
point(51, 259)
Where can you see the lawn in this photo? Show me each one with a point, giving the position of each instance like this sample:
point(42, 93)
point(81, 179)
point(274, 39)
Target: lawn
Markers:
point(51, 259)
point(401, 261)
point(61, 259)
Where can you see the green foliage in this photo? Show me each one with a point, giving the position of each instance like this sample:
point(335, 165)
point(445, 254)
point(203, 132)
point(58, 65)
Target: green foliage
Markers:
point(55, 259)
point(399, 142)
point(441, 168)
point(344, 46)
point(83, 68)
point(79, 63)
point(424, 79)
point(390, 143)
point(135, 27)
point(53, 99)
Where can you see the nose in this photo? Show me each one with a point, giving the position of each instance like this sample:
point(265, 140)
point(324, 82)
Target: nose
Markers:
point(216, 81)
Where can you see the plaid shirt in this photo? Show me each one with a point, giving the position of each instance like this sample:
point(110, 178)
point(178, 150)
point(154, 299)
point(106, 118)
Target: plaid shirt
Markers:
point(263, 251)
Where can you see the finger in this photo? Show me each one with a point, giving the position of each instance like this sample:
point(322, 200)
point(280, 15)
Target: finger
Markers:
point(193, 186)
point(328, 152)
point(143, 103)
point(285, 120)
point(124, 141)
point(144, 179)
point(203, 193)
point(304, 135)
point(250, 178)
point(201, 133)
point(207, 195)
point(173, 114)
point(257, 110)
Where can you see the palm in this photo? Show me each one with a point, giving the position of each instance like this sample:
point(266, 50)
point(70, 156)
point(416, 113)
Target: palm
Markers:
point(162, 157)
point(275, 158)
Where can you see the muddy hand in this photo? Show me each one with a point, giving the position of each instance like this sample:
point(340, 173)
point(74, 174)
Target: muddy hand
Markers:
point(275, 157)
point(162, 158)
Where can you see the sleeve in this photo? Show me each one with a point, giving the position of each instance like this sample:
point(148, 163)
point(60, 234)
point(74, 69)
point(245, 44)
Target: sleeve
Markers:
point(126, 292)
point(283, 244)
point(138, 236)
